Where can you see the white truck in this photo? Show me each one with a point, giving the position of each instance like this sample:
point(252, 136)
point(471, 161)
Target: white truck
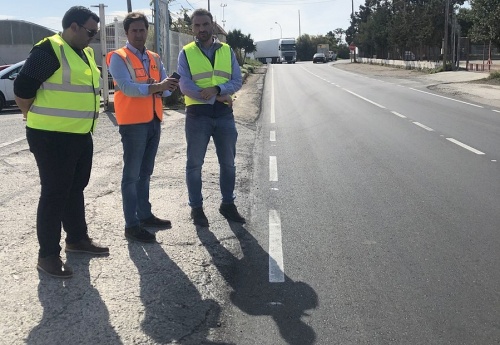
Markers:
point(278, 50)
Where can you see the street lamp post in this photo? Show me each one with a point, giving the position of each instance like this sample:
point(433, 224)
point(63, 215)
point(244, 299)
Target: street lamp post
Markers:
point(223, 20)
point(281, 30)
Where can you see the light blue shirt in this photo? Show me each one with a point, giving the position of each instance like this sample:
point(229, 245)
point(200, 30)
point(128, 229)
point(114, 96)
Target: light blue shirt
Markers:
point(118, 69)
point(189, 87)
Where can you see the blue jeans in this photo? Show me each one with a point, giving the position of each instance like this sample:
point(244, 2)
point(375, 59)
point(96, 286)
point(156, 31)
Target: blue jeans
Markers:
point(64, 162)
point(199, 129)
point(140, 144)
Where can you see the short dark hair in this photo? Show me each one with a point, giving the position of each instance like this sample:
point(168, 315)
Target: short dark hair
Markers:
point(135, 17)
point(202, 12)
point(79, 15)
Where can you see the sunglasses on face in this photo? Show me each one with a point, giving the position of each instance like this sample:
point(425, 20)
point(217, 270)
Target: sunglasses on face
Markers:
point(90, 33)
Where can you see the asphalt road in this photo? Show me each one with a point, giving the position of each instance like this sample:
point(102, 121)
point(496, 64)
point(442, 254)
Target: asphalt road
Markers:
point(379, 205)
point(366, 225)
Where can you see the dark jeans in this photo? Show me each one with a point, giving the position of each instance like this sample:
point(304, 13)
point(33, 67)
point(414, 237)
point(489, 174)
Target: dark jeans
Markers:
point(140, 145)
point(64, 162)
point(200, 127)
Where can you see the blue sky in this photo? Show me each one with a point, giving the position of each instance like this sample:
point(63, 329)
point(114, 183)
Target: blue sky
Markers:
point(255, 17)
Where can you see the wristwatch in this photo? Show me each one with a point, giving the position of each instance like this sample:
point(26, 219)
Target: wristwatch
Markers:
point(218, 89)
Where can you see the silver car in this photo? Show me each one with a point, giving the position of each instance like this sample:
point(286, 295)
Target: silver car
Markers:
point(7, 77)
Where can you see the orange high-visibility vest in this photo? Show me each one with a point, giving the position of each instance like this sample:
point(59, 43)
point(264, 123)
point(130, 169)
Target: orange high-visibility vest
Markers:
point(134, 110)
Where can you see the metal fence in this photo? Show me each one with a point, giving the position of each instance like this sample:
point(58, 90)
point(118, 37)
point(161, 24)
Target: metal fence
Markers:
point(114, 37)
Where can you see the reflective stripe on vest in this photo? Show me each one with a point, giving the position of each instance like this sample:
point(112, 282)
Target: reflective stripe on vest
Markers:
point(68, 101)
point(134, 110)
point(203, 73)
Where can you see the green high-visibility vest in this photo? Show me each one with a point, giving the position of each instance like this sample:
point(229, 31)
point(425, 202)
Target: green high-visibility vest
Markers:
point(68, 101)
point(202, 71)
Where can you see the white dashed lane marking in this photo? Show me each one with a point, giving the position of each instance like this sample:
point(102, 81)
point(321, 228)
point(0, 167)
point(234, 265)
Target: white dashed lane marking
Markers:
point(276, 267)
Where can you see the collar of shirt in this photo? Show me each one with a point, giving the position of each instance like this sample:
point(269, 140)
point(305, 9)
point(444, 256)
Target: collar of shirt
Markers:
point(210, 51)
point(142, 56)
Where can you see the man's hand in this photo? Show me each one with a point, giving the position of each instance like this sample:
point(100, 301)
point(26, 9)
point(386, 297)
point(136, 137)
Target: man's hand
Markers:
point(225, 99)
point(167, 84)
point(24, 105)
point(209, 92)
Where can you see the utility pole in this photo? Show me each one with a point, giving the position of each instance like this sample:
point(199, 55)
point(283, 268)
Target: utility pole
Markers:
point(102, 32)
point(445, 43)
point(129, 6)
point(208, 5)
point(352, 19)
point(299, 25)
point(223, 20)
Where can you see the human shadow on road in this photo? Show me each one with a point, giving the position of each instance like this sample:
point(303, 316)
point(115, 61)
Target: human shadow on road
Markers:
point(73, 310)
point(174, 309)
point(252, 292)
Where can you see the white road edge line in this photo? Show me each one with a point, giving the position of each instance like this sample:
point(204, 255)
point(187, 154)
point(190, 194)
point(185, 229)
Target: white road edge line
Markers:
point(423, 126)
point(273, 169)
point(12, 142)
point(496, 111)
point(398, 114)
point(365, 99)
point(276, 267)
point(448, 98)
point(465, 146)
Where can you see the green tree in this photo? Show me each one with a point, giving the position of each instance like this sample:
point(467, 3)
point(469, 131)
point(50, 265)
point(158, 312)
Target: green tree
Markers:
point(486, 25)
point(241, 44)
point(465, 20)
point(305, 48)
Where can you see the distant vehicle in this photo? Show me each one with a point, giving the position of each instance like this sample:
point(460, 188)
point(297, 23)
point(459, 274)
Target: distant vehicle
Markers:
point(7, 77)
point(319, 57)
point(278, 50)
point(333, 56)
point(325, 49)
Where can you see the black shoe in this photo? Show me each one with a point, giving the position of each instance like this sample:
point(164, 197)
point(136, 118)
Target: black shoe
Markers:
point(138, 233)
point(230, 212)
point(155, 222)
point(86, 246)
point(199, 217)
point(53, 266)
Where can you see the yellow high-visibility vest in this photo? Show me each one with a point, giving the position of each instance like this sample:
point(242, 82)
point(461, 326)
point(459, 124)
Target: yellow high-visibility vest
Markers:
point(68, 101)
point(203, 73)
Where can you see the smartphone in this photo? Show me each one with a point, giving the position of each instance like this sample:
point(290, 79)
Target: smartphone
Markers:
point(175, 75)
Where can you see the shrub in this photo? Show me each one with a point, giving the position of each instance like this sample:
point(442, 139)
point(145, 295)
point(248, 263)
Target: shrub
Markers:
point(494, 75)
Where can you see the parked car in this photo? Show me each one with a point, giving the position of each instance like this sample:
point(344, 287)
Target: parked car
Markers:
point(7, 77)
point(319, 57)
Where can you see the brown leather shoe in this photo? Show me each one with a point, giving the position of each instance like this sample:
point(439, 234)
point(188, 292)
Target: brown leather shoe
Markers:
point(86, 246)
point(53, 266)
